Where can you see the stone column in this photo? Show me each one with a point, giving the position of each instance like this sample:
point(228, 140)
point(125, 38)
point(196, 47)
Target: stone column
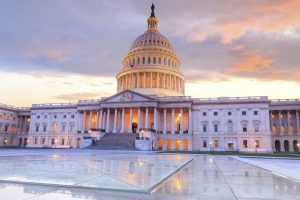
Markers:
point(145, 80)
point(164, 82)
point(175, 83)
point(139, 120)
point(170, 81)
point(20, 124)
point(100, 120)
point(91, 122)
point(115, 120)
point(107, 120)
point(157, 75)
point(138, 80)
point(130, 121)
point(84, 120)
point(190, 121)
point(279, 114)
point(146, 120)
point(297, 123)
point(165, 120)
point(271, 122)
point(181, 121)
point(288, 123)
point(122, 127)
point(97, 119)
point(172, 122)
point(155, 119)
point(151, 79)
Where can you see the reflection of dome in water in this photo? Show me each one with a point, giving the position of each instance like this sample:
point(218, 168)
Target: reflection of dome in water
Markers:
point(151, 66)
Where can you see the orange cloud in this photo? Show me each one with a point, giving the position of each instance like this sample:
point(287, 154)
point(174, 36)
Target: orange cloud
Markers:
point(251, 62)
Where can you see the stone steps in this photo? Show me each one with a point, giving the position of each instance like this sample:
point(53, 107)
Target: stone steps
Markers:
point(116, 141)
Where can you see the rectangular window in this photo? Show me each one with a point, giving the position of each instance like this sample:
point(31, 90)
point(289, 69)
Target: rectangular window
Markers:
point(43, 141)
point(45, 116)
point(144, 60)
point(44, 128)
point(257, 144)
point(35, 140)
point(256, 128)
point(6, 128)
point(244, 113)
point(255, 112)
point(204, 144)
point(204, 113)
point(204, 128)
point(149, 60)
point(229, 113)
point(216, 143)
point(215, 128)
point(63, 141)
point(215, 113)
point(63, 128)
point(36, 128)
point(244, 128)
point(245, 143)
point(65, 116)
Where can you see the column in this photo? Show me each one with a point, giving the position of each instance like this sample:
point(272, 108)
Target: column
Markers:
point(139, 120)
point(100, 120)
point(97, 119)
point(122, 127)
point(91, 122)
point(150, 79)
point(146, 120)
point(288, 123)
point(190, 121)
point(145, 80)
point(83, 123)
point(107, 120)
point(26, 121)
point(279, 114)
point(130, 119)
point(165, 120)
point(176, 84)
point(155, 119)
point(20, 124)
point(170, 82)
point(115, 120)
point(172, 122)
point(297, 122)
point(271, 122)
point(164, 82)
point(181, 121)
point(157, 75)
point(138, 80)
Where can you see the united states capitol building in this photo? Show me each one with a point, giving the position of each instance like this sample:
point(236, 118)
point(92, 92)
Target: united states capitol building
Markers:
point(151, 112)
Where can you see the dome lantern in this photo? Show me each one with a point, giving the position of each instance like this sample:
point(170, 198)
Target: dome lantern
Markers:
point(152, 20)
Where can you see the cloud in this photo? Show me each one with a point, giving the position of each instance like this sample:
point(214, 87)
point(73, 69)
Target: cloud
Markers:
point(81, 96)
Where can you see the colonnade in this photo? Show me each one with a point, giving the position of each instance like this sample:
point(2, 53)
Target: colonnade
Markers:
point(285, 122)
point(124, 120)
point(150, 80)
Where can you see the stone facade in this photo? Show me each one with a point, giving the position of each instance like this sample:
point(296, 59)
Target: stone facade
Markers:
point(151, 102)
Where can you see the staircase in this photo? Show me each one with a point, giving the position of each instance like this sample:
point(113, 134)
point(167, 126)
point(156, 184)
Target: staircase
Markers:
point(116, 141)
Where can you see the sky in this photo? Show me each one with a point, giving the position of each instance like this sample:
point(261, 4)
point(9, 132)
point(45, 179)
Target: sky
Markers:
point(54, 51)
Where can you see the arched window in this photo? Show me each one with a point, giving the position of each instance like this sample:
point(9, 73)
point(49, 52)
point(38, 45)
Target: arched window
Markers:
point(159, 60)
point(230, 126)
point(149, 60)
point(138, 60)
point(54, 127)
point(144, 60)
point(154, 60)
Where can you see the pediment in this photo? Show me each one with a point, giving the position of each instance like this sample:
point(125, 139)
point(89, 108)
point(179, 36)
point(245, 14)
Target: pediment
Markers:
point(127, 96)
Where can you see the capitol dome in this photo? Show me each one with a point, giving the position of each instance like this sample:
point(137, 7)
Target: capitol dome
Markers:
point(151, 66)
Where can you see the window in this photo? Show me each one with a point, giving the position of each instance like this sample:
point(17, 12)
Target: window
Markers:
point(154, 60)
point(230, 126)
point(244, 113)
point(216, 144)
point(149, 60)
point(38, 117)
point(63, 129)
point(55, 116)
point(6, 128)
point(159, 60)
point(229, 113)
point(37, 128)
point(273, 116)
point(204, 113)
point(63, 141)
point(215, 113)
point(215, 128)
point(244, 128)
point(0, 116)
point(72, 116)
point(52, 141)
point(44, 128)
point(54, 127)
point(255, 112)
point(14, 118)
point(256, 127)
point(144, 60)
point(45, 116)
point(204, 128)
point(138, 60)
point(43, 141)
point(71, 127)
point(65, 116)
point(245, 143)
point(204, 143)
point(257, 144)
point(35, 140)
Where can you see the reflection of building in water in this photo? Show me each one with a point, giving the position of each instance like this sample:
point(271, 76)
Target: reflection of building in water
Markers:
point(151, 101)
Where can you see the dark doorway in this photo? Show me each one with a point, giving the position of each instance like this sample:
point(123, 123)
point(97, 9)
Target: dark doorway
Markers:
point(295, 147)
point(286, 145)
point(134, 127)
point(25, 142)
point(20, 142)
point(277, 146)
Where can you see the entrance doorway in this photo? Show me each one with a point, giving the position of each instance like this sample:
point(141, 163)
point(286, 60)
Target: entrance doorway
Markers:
point(286, 145)
point(20, 142)
point(134, 127)
point(295, 146)
point(277, 146)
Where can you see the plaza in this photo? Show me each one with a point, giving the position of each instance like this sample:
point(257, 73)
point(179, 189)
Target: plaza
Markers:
point(96, 174)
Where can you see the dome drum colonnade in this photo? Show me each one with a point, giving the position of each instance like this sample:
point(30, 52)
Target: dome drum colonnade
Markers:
point(151, 66)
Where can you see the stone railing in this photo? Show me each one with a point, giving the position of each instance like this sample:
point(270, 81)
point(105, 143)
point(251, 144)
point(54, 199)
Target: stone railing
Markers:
point(51, 105)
